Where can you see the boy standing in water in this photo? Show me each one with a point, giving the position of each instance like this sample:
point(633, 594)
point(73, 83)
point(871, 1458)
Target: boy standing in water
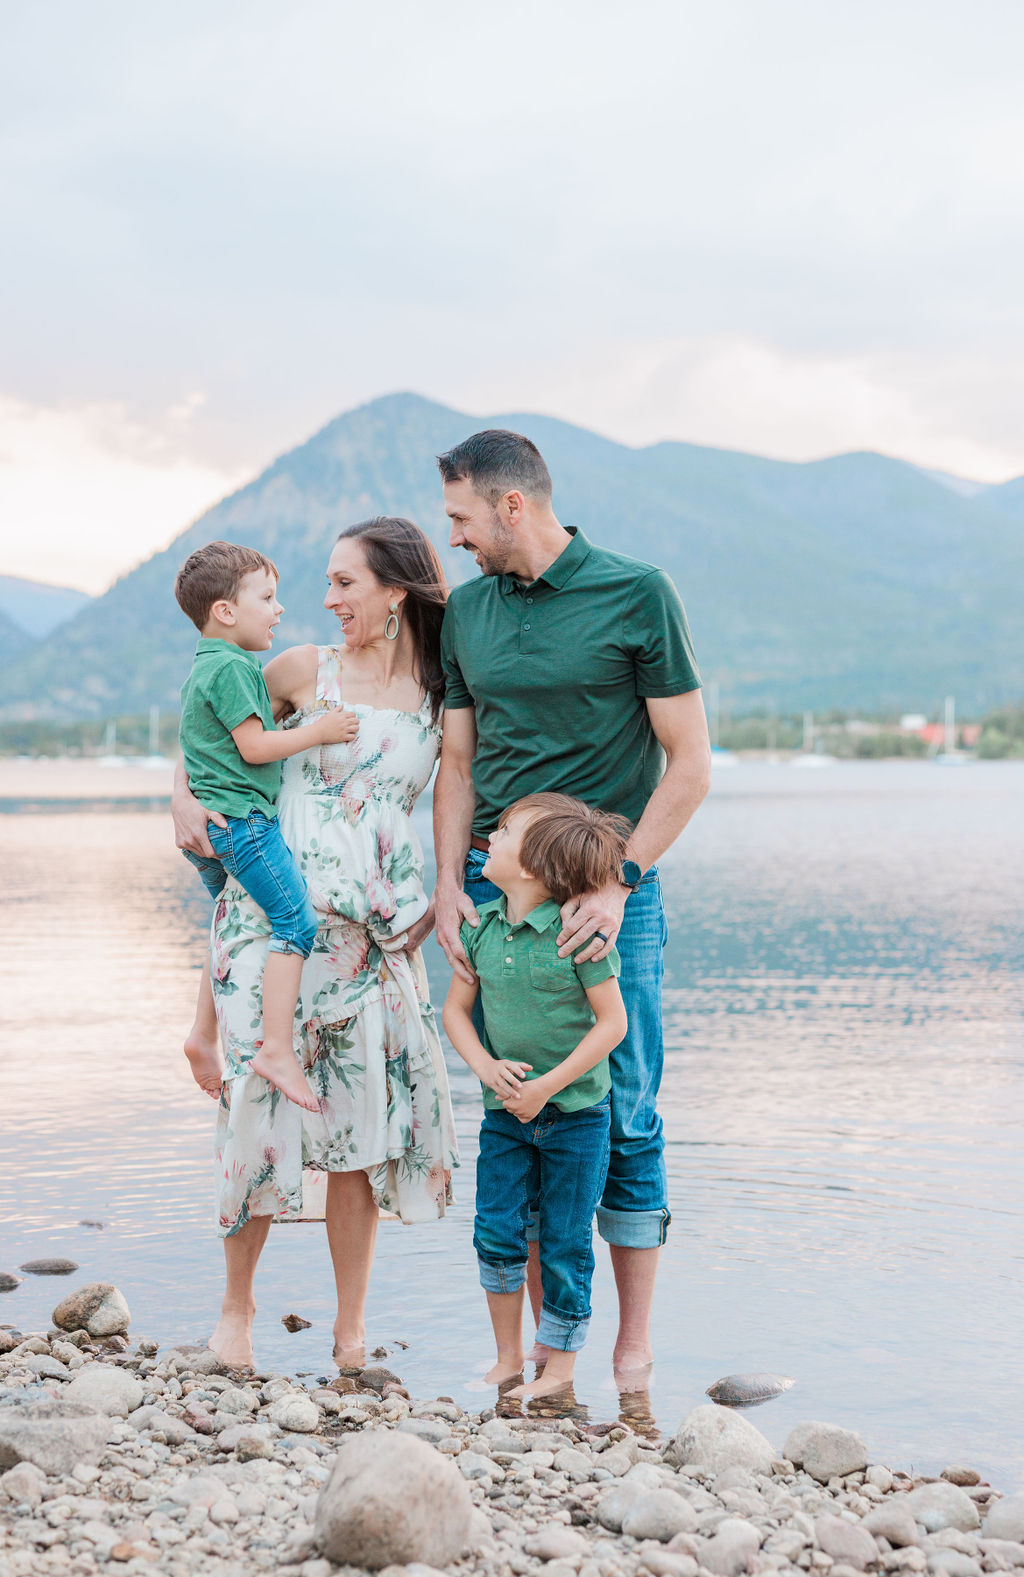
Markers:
point(233, 756)
point(549, 1026)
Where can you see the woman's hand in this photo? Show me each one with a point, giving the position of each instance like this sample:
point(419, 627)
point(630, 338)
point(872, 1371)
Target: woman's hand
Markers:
point(417, 934)
point(506, 1078)
point(191, 820)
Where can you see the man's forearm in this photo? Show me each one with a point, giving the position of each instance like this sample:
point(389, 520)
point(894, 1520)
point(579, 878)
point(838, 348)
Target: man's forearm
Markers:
point(674, 801)
point(454, 803)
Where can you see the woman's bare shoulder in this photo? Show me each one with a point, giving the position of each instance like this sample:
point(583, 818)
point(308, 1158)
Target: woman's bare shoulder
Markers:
point(291, 673)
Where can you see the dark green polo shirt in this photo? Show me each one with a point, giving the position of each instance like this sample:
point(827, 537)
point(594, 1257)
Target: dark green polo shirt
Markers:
point(535, 1003)
point(559, 672)
point(225, 687)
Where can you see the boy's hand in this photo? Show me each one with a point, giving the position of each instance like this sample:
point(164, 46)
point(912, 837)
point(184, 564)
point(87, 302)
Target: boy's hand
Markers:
point(337, 727)
point(527, 1101)
point(506, 1078)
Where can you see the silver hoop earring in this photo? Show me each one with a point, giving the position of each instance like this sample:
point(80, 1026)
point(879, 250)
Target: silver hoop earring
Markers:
point(392, 619)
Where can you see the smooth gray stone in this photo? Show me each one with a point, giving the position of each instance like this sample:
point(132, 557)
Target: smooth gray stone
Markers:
point(825, 1450)
point(747, 1390)
point(659, 1514)
point(728, 1552)
point(105, 1389)
point(713, 1438)
point(49, 1267)
point(98, 1308)
point(8, 1282)
point(391, 1500)
point(893, 1519)
point(1005, 1519)
point(943, 1505)
point(848, 1543)
point(54, 1434)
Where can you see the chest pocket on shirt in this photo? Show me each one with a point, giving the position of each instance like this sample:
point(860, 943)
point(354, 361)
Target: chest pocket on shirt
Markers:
point(553, 975)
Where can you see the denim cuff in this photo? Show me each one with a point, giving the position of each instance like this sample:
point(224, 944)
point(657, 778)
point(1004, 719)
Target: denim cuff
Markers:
point(553, 1330)
point(633, 1228)
point(284, 944)
point(501, 1278)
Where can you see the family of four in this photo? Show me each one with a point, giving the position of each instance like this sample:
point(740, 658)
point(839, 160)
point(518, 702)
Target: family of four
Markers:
point(560, 691)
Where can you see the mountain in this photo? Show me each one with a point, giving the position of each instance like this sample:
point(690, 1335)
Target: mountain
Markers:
point(13, 639)
point(856, 581)
point(39, 609)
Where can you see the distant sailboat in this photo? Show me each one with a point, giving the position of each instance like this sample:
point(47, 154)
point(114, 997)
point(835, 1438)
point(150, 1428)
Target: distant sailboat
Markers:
point(155, 759)
point(809, 756)
point(949, 755)
point(110, 757)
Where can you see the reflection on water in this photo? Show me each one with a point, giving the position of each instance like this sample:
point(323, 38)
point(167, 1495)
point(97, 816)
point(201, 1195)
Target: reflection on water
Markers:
point(842, 1100)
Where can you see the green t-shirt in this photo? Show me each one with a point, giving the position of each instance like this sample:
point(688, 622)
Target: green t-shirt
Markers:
point(225, 687)
point(559, 672)
point(534, 1003)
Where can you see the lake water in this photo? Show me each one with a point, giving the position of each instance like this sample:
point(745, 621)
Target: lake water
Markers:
point(843, 1099)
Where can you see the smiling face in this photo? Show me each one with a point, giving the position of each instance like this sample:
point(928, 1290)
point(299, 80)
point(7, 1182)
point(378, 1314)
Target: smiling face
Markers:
point(255, 611)
point(478, 527)
point(356, 597)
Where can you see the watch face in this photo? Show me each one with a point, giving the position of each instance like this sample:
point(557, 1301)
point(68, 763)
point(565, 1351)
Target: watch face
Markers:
point(631, 873)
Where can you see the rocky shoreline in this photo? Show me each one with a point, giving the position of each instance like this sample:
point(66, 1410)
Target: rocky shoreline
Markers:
point(118, 1456)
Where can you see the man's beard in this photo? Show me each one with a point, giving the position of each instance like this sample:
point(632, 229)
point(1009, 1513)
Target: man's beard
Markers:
point(499, 549)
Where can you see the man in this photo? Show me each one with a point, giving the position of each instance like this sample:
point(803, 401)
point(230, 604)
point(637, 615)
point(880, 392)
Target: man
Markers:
point(570, 668)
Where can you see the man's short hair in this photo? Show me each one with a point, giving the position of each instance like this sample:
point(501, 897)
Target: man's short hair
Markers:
point(569, 846)
point(214, 574)
point(496, 462)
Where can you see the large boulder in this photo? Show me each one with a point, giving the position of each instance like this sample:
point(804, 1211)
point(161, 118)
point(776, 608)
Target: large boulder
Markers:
point(942, 1505)
point(659, 1514)
point(1005, 1519)
point(104, 1389)
point(714, 1438)
point(54, 1434)
point(98, 1308)
point(391, 1500)
point(825, 1450)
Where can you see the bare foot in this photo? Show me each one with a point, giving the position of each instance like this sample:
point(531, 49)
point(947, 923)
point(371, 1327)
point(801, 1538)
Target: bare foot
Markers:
point(542, 1386)
point(538, 1354)
point(278, 1066)
point(504, 1370)
point(232, 1340)
point(205, 1061)
point(632, 1368)
point(349, 1354)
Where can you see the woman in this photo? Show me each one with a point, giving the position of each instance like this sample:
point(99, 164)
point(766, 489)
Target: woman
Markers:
point(385, 1136)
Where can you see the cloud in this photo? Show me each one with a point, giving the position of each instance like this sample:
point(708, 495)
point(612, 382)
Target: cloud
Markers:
point(88, 492)
point(730, 391)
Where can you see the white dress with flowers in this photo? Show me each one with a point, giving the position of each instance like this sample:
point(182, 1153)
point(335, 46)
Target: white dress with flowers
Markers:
point(364, 1025)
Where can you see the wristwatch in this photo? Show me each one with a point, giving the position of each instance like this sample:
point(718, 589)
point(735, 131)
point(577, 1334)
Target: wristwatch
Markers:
point(631, 876)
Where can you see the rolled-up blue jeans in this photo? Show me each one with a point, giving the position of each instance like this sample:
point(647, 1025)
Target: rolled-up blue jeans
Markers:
point(252, 848)
point(559, 1159)
point(633, 1212)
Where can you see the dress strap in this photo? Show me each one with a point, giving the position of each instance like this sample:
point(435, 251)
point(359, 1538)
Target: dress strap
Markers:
point(328, 675)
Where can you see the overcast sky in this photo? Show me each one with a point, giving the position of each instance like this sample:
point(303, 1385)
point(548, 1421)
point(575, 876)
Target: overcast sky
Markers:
point(789, 226)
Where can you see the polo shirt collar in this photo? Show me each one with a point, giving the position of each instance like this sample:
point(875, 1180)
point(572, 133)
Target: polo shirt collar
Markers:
point(212, 643)
point(539, 918)
point(564, 567)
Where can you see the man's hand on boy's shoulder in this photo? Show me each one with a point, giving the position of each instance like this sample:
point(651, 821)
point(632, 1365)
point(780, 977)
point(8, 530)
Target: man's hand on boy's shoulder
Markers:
point(592, 922)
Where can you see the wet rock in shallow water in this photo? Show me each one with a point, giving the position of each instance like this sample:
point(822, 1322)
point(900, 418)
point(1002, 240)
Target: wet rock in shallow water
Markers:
point(965, 1477)
point(848, 1543)
point(8, 1282)
point(713, 1438)
point(105, 1389)
point(90, 1221)
point(295, 1322)
point(943, 1505)
point(54, 1434)
point(1005, 1520)
point(98, 1308)
point(361, 1521)
point(49, 1267)
point(747, 1390)
point(825, 1450)
point(375, 1379)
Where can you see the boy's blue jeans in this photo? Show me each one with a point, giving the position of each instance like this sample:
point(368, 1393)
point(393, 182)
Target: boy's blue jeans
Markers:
point(634, 1209)
point(252, 848)
point(559, 1158)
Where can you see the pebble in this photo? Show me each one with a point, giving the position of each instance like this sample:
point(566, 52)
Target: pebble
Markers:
point(825, 1451)
point(100, 1309)
point(660, 1514)
point(49, 1267)
point(943, 1505)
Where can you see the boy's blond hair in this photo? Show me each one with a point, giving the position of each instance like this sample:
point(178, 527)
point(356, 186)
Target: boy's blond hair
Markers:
point(214, 574)
point(569, 846)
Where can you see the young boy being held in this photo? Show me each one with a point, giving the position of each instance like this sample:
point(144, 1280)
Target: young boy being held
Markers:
point(233, 756)
point(549, 1026)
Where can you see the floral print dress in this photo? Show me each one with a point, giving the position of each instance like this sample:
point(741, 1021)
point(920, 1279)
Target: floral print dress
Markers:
point(364, 1025)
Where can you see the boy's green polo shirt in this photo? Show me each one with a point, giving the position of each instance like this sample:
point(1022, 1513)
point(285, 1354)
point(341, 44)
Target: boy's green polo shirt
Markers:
point(559, 672)
point(225, 687)
point(534, 1003)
